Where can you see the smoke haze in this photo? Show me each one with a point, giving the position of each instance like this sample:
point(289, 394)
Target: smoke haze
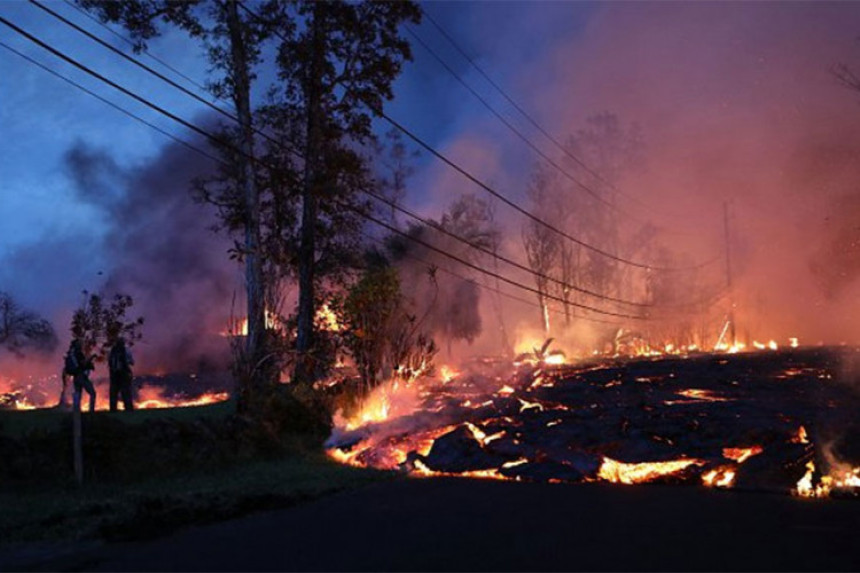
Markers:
point(737, 103)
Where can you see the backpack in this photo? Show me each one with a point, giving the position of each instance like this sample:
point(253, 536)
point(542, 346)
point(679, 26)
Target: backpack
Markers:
point(70, 364)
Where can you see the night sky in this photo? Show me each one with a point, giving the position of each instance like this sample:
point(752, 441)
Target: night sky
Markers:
point(736, 101)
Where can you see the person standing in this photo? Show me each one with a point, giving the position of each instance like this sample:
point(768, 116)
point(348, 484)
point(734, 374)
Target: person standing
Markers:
point(79, 367)
point(120, 362)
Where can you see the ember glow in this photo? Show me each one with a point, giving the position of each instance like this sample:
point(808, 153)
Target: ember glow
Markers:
point(740, 455)
point(721, 477)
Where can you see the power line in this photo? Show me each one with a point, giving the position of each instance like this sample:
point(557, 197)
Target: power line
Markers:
point(487, 287)
point(231, 116)
point(525, 114)
point(110, 103)
point(111, 83)
point(527, 213)
point(498, 195)
point(135, 46)
point(350, 207)
point(512, 128)
point(133, 61)
point(429, 223)
point(160, 76)
point(485, 271)
point(477, 247)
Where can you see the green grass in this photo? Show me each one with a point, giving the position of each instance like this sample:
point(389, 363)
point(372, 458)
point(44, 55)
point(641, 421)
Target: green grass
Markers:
point(156, 507)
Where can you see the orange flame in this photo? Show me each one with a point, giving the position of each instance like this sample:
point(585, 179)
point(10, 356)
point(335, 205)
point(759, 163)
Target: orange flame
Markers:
point(620, 472)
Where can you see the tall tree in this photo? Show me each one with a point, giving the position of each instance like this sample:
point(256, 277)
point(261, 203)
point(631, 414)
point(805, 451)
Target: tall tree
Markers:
point(541, 243)
point(233, 44)
point(611, 150)
point(336, 68)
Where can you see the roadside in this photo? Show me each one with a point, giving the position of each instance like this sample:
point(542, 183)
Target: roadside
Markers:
point(484, 525)
point(38, 528)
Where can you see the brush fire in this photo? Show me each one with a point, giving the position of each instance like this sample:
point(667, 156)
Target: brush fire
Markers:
point(151, 392)
point(770, 418)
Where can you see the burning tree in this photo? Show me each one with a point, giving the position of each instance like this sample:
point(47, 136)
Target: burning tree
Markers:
point(21, 329)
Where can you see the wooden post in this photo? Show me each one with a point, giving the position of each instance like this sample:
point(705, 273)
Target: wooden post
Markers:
point(76, 442)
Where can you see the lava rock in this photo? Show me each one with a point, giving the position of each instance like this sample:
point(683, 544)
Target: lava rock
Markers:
point(544, 471)
point(778, 468)
point(458, 451)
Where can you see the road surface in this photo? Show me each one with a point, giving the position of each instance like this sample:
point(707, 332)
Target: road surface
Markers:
point(485, 525)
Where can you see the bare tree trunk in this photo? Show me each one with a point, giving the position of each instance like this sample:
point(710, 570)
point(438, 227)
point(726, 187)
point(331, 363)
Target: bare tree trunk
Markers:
point(253, 266)
point(304, 371)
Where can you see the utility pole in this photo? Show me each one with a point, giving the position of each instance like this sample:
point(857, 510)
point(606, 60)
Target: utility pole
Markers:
point(732, 330)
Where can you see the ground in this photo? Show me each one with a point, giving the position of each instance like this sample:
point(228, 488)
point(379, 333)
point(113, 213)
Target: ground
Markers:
point(447, 524)
point(303, 512)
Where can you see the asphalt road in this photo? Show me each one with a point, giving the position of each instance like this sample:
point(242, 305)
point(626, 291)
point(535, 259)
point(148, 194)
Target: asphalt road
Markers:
point(477, 525)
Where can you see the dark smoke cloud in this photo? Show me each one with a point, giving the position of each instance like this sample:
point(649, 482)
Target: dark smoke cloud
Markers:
point(152, 241)
point(163, 252)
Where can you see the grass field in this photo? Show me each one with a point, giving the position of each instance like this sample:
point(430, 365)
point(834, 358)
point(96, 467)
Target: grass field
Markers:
point(156, 507)
point(156, 503)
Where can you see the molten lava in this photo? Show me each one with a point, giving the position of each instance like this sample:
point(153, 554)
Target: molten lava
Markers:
point(643, 472)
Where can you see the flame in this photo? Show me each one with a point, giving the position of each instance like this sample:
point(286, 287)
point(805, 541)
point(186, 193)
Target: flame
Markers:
point(804, 485)
point(530, 405)
point(704, 395)
point(800, 436)
point(620, 472)
point(375, 408)
point(840, 478)
point(423, 470)
point(22, 403)
point(554, 359)
point(719, 477)
point(203, 400)
point(740, 455)
point(327, 319)
point(480, 436)
point(793, 342)
point(240, 327)
point(446, 373)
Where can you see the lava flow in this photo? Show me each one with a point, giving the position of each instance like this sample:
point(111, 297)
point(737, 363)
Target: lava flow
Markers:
point(772, 420)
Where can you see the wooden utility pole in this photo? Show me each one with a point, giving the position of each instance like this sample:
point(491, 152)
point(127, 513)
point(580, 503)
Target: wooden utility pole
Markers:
point(732, 329)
